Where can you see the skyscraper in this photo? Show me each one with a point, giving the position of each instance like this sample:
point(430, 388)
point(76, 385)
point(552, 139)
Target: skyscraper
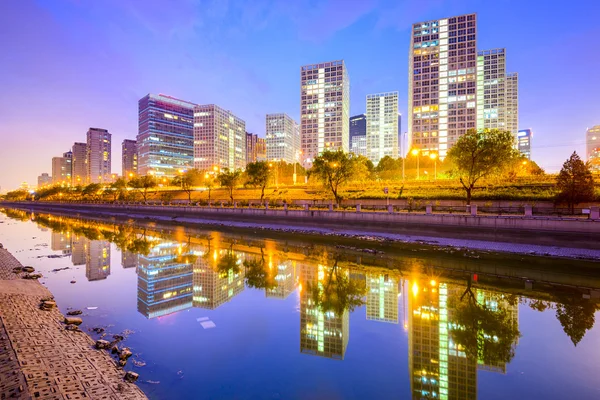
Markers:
point(442, 98)
point(98, 155)
point(382, 126)
point(97, 260)
point(79, 175)
point(358, 134)
point(497, 92)
point(324, 109)
point(282, 139)
point(382, 297)
point(524, 142)
point(43, 180)
point(256, 148)
point(165, 140)
point(219, 139)
point(129, 158)
point(592, 147)
point(61, 169)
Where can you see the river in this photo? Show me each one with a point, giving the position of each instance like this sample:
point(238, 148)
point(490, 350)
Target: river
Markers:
point(231, 315)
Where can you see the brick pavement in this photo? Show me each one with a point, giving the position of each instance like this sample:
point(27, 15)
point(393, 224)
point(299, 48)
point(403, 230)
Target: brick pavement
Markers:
point(40, 359)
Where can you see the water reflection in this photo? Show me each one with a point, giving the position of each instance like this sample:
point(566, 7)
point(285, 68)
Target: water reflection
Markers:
point(456, 325)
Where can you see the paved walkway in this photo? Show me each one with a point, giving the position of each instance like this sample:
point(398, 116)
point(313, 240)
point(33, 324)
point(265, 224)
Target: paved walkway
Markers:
point(39, 358)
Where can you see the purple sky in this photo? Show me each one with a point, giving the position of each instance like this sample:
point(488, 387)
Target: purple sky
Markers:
point(66, 66)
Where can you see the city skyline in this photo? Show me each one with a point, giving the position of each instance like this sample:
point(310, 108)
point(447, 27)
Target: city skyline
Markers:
point(567, 107)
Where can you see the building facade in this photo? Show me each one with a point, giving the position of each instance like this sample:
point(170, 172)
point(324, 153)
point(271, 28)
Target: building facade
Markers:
point(43, 180)
point(256, 148)
point(442, 98)
point(358, 134)
point(497, 93)
point(98, 155)
point(382, 126)
point(165, 140)
point(219, 139)
point(61, 169)
point(592, 147)
point(129, 161)
point(324, 109)
point(282, 139)
point(79, 165)
point(524, 142)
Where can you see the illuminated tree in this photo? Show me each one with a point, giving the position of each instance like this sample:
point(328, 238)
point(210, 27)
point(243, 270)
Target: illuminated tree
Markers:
point(229, 180)
point(575, 182)
point(258, 175)
point(190, 179)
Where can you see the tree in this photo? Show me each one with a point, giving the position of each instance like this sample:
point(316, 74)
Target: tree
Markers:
point(576, 315)
point(209, 182)
point(258, 176)
point(187, 181)
point(229, 179)
point(118, 188)
point(92, 191)
point(479, 154)
point(334, 169)
point(143, 184)
point(575, 182)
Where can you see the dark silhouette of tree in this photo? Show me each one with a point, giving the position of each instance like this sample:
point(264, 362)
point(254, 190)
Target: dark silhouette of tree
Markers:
point(257, 274)
point(229, 180)
point(188, 181)
point(143, 184)
point(575, 182)
point(576, 315)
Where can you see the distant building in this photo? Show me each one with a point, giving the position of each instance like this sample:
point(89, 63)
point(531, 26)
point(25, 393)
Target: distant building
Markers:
point(165, 140)
point(129, 259)
point(79, 174)
point(382, 126)
point(43, 180)
point(282, 138)
point(324, 109)
point(358, 134)
point(442, 94)
point(256, 148)
point(129, 161)
point(99, 155)
point(524, 142)
point(61, 169)
point(592, 141)
point(219, 139)
point(382, 297)
point(285, 279)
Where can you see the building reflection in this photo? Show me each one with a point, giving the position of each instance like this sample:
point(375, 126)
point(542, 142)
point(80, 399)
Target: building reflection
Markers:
point(129, 259)
point(97, 259)
point(79, 245)
point(61, 241)
point(382, 296)
point(165, 279)
point(284, 280)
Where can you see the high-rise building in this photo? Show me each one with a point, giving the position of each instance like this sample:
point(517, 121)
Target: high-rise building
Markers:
point(285, 278)
point(98, 155)
point(129, 259)
point(129, 158)
point(165, 140)
point(524, 142)
point(282, 139)
point(256, 148)
point(382, 297)
point(79, 164)
point(43, 180)
point(358, 134)
point(219, 139)
point(382, 126)
point(61, 169)
point(79, 246)
point(497, 92)
point(592, 147)
point(324, 109)
point(400, 136)
point(442, 98)
point(214, 286)
point(97, 260)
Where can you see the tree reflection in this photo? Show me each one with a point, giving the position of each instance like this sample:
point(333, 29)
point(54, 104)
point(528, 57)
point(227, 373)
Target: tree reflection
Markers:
point(576, 315)
point(258, 274)
point(485, 330)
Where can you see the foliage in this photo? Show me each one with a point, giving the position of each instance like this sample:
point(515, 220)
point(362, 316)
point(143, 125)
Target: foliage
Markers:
point(338, 293)
point(229, 180)
point(92, 191)
point(258, 175)
point(575, 182)
point(335, 168)
point(576, 315)
point(118, 188)
point(190, 179)
point(17, 195)
point(478, 154)
point(143, 184)
point(257, 274)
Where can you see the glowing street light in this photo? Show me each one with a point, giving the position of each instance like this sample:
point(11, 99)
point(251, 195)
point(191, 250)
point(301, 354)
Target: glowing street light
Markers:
point(434, 157)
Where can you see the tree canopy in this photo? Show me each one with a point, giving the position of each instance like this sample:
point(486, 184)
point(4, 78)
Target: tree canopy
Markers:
point(188, 180)
point(575, 182)
point(229, 180)
point(479, 154)
point(258, 175)
point(576, 316)
point(335, 168)
point(143, 184)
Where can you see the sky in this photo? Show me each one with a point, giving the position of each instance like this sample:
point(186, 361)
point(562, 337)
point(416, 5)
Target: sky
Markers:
point(67, 65)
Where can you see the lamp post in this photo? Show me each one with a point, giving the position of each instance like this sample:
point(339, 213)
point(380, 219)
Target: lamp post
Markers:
point(415, 152)
point(297, 156)
point(181, 171)
point(434, 157)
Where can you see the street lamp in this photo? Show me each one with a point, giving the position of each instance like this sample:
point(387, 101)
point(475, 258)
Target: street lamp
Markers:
point(434, 157)
point(415, 152)
point(297, 156)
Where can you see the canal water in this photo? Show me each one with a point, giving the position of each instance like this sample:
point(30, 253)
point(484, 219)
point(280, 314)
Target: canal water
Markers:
point(231, 315)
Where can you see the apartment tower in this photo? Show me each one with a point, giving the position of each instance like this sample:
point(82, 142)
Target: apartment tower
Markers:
point(283, 138)
point(219, 139)
point(592, 147)
point(79, 164)
point(382, 126)
point(129, 161)
point(98, 155)
point(165, 135)
point(324, 109)
point(442, 97)
point(358, 135)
